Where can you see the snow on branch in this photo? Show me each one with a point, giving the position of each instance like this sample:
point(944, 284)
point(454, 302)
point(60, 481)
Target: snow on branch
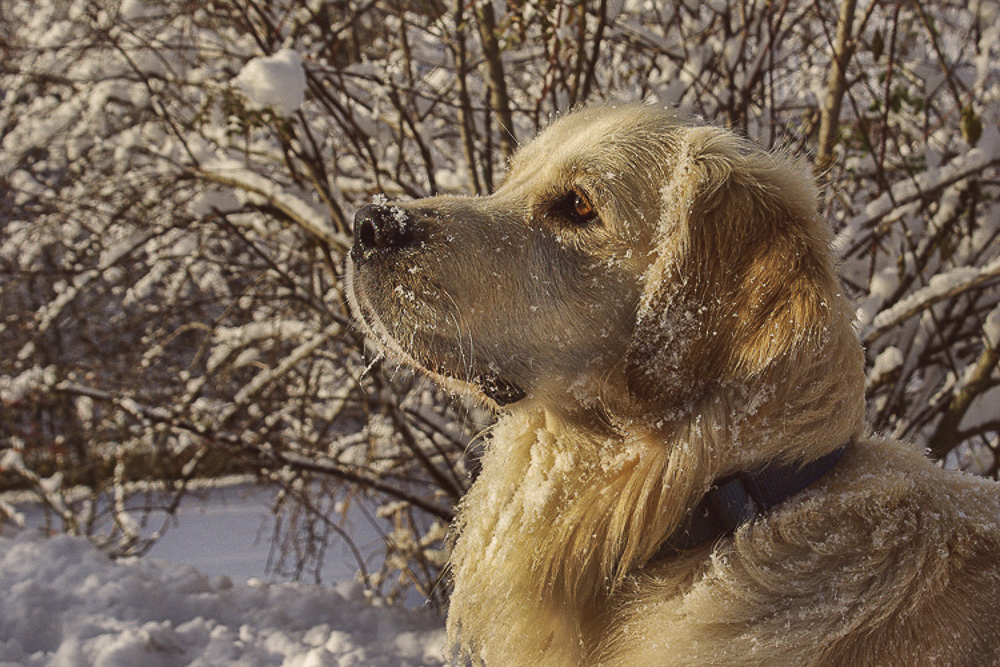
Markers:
point(894, 203)
point(305, 214)
point(940, 287)
point(277, 81)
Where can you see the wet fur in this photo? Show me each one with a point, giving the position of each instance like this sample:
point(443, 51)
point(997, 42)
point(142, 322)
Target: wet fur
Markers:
point(696, 329)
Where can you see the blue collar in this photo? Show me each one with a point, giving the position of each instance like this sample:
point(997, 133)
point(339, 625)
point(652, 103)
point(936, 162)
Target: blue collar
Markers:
point(737, 499)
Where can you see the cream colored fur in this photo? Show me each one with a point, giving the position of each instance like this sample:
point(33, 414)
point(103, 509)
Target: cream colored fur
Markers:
point(693, 329)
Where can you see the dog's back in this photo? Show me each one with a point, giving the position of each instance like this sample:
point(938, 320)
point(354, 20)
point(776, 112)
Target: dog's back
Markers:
point(889, 561)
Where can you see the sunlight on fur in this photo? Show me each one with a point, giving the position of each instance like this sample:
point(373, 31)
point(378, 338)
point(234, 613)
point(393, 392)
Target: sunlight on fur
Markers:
point(652, 306)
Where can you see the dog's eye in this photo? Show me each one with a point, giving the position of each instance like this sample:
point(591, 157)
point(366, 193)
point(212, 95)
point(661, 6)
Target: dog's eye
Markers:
point(576, 207)
point(582, 208)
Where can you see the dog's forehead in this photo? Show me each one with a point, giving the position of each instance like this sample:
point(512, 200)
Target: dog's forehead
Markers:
point(590, 139)
point(576, 133)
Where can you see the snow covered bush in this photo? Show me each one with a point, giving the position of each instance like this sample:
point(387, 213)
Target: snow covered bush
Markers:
point(177, 181)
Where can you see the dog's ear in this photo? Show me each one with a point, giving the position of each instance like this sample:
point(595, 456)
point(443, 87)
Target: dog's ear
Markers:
point(741, 275)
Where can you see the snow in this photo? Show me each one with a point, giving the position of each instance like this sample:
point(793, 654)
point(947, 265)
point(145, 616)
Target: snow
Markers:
point(133, 10)
point(308, 215)
point(907, 193)
point(991, 328)
point(13, 389)
point(65, 603)
point(939, 287)
point(276, 81)
point(887, 362)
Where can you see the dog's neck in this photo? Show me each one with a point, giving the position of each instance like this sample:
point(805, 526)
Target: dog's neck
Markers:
point(562, 513)
point(738, 499)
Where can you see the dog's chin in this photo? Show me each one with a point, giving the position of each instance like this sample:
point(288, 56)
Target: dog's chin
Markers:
point(488, 387)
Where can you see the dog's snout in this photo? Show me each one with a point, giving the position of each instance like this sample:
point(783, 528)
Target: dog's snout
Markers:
point(380, 227)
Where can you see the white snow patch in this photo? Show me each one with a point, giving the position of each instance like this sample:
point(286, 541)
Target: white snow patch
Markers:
point(908, 192)
point(276, 81)
point(991, 328)
point(65, 603)
point(888, 360)
point(133, 10)
point(17, 388)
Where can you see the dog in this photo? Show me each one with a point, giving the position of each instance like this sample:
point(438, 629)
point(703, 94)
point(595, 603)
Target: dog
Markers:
point(680, 472)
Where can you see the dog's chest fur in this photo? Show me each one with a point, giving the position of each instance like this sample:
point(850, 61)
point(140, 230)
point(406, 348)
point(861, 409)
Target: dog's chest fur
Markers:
point(518, 528)
point(546, 531)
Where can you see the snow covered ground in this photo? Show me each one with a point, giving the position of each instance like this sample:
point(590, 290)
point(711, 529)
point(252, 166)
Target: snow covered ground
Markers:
point(65, 603)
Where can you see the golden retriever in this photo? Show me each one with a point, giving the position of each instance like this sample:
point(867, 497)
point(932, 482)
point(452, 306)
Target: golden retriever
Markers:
point(652, 307)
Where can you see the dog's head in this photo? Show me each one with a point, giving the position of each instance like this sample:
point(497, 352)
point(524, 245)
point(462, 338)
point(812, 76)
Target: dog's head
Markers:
point(629, 259)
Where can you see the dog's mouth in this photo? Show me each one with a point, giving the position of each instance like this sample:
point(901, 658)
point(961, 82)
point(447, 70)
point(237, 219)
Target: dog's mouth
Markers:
point(369, 319)
point(500, 391)
point(489, 382)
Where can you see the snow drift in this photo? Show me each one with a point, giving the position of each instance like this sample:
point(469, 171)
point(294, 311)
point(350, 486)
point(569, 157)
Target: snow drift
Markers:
point(65, 603)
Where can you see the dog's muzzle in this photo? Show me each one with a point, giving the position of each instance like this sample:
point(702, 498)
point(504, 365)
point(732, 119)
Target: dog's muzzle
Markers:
point(382, 230)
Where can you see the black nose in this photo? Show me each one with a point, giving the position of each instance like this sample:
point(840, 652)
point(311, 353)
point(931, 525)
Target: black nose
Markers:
point(380, 227)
